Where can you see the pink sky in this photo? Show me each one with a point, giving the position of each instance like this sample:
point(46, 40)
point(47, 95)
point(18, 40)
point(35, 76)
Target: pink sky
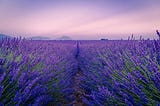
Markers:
point(81, 19)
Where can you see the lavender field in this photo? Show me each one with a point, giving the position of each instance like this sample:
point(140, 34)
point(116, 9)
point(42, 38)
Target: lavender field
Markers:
point(79, 73)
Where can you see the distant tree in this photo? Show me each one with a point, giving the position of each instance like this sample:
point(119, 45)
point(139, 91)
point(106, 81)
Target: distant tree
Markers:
point(140, 37)
point(158, 33)
point(128, 37)
point(132, 37)
point(104, 39)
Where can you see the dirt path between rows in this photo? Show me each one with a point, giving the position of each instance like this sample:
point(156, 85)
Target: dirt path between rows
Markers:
point(78, 92)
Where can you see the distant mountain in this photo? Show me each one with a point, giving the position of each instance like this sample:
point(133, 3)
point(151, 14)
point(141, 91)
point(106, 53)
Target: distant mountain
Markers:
point(4, 36)
point(38, 38)
point(64, 38)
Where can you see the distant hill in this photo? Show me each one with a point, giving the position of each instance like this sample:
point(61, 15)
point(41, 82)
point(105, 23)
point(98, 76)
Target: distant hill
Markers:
point(64, 38)
point(38, 38)
point(4, 36)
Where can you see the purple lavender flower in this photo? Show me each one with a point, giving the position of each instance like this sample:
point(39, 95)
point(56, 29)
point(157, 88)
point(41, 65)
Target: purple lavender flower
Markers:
point(1, 90)
point(2, 61)
point(2, 77)
point(43, 100)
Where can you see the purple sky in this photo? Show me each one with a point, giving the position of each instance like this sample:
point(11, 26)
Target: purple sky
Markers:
point(80, 19)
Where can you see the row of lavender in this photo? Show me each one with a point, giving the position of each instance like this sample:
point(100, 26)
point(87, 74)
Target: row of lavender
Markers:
point(36, 72)
point(120, 72)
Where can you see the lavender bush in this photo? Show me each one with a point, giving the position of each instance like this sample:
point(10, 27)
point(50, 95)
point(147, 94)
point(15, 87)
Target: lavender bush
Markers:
point(36, 72)
point(121, 72)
